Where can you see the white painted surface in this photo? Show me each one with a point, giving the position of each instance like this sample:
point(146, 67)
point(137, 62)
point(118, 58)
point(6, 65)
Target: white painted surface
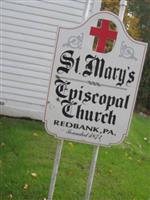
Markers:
point(92, 93)
point(28, 34)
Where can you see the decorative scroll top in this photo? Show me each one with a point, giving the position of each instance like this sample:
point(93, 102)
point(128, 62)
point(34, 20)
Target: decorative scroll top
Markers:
point(74, 41)
point(127, 52)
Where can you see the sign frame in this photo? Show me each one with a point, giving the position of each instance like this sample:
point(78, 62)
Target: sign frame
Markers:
point(100, 15)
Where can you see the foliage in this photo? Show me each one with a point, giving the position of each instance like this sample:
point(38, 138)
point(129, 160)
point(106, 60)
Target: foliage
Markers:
point(137, 22)
point(27, 155)
point(142, 10)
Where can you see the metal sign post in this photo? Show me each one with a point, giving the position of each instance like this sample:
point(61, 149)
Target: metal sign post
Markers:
point(123, 4)
point(91, 173)
point(55, 169)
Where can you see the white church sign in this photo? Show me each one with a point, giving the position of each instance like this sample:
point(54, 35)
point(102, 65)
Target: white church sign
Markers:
point(96, 73)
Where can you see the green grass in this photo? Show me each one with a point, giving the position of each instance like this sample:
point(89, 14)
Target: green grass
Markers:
point(122, 173)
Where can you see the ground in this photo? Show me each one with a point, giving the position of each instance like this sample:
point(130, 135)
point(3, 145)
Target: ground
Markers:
point(27, 155)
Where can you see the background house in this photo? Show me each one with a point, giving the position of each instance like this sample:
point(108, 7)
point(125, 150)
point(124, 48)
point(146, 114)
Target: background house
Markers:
point(29, 30)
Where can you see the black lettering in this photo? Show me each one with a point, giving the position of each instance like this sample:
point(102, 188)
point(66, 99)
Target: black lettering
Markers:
point(103, 118)
point(97, 116)
point(67, 108)
point(102, 99)
point(67, 60)
point(126, 102)
point(77, 64)
point(131, 77)
point(110, 102)
point(72, 94)
point(87, 97)
point(111, 118)
point(56, 122)
point(94, 96)
point(119, 102)
point(89, 115)
point(89, 66)
point(80, 113)
point(61, 88)
point(108, 73)
point(122, 75)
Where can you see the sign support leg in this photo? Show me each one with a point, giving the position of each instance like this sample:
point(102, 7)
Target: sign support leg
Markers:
point(55, 169)
point(123, 4)
point(91, 173)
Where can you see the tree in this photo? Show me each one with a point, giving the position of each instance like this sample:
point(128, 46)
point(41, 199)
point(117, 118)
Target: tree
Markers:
point(137, 22)
point(142, 10)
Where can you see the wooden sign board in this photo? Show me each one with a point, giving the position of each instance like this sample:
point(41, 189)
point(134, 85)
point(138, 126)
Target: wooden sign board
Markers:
point(93, 87)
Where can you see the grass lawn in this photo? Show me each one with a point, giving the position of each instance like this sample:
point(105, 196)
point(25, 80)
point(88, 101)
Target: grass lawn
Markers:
point(26, 161)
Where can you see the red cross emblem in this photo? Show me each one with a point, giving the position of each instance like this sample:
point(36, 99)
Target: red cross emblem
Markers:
point(104, 34)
